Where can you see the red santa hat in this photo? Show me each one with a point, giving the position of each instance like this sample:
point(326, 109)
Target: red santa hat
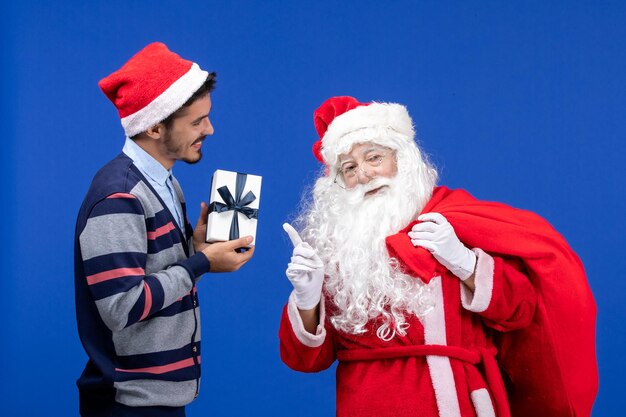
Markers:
point(151, 86)
point(341, 122)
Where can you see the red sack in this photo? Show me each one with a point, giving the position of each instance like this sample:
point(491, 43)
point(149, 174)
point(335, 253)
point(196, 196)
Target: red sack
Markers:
point(551, 364)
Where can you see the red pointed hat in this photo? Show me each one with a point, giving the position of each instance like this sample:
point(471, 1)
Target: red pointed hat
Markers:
point(343, 121)
point(152, 85)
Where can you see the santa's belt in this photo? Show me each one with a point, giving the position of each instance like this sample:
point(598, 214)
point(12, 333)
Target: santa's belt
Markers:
point(484, 355)
point(455, 352)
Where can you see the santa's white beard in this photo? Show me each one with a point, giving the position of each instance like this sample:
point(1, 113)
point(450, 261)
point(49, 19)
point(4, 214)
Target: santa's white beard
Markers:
point(348, 229)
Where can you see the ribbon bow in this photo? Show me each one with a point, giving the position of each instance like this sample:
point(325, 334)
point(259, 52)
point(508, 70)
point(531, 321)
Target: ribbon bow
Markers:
point(237, 204)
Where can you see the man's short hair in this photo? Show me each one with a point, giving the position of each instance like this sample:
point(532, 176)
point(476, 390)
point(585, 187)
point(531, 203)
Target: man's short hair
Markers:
point(205, 88)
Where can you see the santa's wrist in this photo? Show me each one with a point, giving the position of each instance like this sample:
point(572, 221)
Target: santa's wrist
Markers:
point(307, 307)
point(464, 266)
point(306, 302)
point(466, 270)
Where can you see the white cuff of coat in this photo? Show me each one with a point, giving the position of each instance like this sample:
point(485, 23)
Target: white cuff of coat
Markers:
point(306, 338)
point(479, 300)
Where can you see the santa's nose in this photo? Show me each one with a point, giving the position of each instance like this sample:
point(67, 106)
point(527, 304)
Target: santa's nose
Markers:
point(363, 176)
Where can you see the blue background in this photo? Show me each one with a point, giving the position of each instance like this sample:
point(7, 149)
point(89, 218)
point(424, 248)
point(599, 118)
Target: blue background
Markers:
point(519, 102)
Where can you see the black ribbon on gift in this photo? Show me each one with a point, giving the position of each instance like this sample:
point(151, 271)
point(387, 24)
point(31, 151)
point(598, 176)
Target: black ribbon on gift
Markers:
point(237, 204)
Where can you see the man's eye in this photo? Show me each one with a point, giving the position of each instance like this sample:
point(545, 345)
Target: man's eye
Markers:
point(374, 158)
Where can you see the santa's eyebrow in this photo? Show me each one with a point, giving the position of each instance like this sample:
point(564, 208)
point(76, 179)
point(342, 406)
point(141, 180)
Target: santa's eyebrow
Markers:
point(364, 152)
point(372, 149)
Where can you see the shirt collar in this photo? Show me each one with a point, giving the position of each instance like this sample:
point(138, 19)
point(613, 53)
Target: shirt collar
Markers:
point(146, 163)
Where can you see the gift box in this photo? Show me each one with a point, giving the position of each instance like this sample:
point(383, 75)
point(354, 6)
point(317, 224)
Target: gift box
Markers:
point(233, 206)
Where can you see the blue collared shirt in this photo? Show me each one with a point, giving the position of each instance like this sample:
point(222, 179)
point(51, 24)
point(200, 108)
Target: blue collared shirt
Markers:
point(159, 177)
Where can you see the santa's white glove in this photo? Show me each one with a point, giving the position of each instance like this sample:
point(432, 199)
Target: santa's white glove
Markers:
point(437, 235)
point(305, 271)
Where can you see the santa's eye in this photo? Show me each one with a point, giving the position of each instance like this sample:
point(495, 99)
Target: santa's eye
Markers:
point(348, 170)
point(375, 159)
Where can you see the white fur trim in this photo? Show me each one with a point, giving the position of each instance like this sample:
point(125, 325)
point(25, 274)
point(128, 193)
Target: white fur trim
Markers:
point(303, 336)
point(439, 366)
point(165, 104)
point(482, 403)
point(372, 123)
point(479, 300)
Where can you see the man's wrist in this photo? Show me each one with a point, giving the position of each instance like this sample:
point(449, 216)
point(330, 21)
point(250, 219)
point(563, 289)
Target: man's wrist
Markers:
point(197, 264)
point(199, 245)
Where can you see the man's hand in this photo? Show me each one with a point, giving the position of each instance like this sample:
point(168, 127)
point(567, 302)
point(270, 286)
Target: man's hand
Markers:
point(437, 235)
point(305, 271)
point(222, 255)
point(199, 232)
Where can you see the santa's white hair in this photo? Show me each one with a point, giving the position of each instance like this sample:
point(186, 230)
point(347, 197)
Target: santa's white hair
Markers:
point(348, 229)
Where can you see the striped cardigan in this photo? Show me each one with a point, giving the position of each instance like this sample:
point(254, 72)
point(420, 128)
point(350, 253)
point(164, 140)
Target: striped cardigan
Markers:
point(136, 301)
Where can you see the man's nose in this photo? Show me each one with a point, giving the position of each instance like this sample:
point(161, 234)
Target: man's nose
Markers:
point(208, 128)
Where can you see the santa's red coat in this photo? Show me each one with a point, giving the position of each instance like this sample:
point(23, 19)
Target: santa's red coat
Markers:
point(446, 364)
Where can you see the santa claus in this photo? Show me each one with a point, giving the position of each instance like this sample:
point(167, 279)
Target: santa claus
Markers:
point(407, 284)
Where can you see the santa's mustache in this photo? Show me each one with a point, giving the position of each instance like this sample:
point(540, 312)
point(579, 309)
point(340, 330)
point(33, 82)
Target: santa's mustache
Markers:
point(359, 192)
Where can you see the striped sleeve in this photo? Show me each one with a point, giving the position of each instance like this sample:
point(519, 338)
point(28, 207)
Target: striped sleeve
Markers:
point(114, 246)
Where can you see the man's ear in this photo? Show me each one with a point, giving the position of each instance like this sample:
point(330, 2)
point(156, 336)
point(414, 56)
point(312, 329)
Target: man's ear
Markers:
point(156, 132)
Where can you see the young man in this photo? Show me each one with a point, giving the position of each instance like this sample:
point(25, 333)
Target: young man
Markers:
point(137, 258)
point(412, 287)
